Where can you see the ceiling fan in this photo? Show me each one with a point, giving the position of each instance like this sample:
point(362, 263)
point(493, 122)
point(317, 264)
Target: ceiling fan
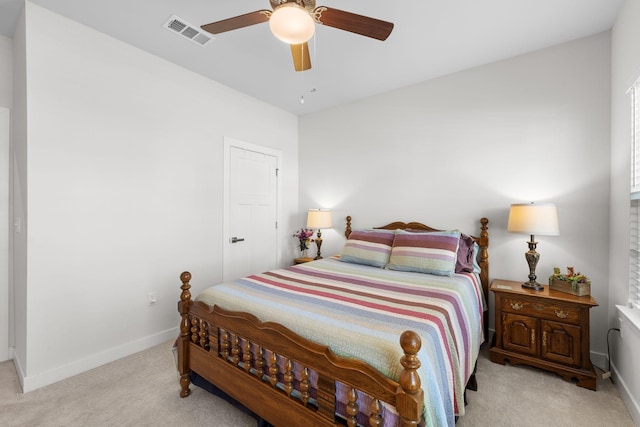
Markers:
point(293, 21)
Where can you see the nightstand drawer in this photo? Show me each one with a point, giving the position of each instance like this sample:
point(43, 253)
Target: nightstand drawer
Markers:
point(541, 309)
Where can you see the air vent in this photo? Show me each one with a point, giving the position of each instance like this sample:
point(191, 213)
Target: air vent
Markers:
point(188, 31)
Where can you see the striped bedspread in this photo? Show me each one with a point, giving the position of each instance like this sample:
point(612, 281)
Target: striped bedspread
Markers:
point(360, 311)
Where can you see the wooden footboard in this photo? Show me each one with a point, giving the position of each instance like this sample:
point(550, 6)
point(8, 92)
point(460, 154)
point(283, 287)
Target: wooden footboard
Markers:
point(253, 362)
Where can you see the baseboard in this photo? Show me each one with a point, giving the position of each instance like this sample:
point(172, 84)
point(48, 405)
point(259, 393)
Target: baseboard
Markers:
point(19, 370)
point(34, 382)
point(599, 360)
point(626, 396)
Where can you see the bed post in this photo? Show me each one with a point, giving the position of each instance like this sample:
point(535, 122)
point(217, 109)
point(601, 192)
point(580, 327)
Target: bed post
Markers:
point(483, 261)
point(410, 397)
point(484, 255)
point(347, 230)
point(183, 340)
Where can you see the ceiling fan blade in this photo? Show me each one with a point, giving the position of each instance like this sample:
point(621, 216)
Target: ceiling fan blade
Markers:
point(240, 21)
point(301, 58)
point(352, 22)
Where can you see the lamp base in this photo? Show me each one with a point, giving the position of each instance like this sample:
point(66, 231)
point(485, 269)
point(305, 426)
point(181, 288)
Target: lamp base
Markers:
point(533, 285)
point(318, 244)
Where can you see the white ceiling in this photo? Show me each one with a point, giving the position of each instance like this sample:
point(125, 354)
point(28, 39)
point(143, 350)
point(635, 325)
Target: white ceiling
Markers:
point(431, 38)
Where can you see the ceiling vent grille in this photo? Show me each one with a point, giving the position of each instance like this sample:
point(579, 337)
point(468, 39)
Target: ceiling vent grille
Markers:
point(188, 31)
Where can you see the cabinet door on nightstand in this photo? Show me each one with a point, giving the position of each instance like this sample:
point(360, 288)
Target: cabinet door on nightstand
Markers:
point(519, 333)
point(560, 342)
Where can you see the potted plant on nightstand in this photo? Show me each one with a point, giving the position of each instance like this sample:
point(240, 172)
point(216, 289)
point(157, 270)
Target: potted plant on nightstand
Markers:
point(572, 282)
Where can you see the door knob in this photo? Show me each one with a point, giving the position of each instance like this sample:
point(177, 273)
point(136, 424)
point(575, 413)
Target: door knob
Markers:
point(236, 239)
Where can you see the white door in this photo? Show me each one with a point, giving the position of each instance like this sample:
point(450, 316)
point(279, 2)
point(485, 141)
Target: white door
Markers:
point(251, 207)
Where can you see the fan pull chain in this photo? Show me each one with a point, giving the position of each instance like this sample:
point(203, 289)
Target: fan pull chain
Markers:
point(314, 61)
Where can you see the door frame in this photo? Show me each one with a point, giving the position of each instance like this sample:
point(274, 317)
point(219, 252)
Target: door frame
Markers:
point(6, 208)
point(243, 145)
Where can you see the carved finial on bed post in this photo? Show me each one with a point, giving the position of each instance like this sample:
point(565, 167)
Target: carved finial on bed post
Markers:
point(483, 227)
point(183, 340)
point(186, 293)
point(347, 230)
point(410, 397)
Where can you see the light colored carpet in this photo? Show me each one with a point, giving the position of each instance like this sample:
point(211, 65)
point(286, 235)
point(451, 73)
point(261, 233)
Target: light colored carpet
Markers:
point(142, 390)
point(522, 396)
point(139, 390)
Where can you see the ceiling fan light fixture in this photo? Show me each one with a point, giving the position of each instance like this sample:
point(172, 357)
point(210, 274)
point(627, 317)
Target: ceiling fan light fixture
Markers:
point(292, 23)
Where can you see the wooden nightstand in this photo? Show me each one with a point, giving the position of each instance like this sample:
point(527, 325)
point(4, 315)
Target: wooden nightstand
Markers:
point(546, 329)
point(302, 260)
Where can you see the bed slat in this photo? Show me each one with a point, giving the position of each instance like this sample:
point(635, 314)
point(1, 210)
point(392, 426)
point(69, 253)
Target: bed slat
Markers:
point(375, 420)
point(352, 408)
point(325, 396)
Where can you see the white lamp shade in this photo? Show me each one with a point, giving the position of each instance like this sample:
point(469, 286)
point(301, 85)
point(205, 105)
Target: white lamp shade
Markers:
point(533, 219)
point(292, 23)
point(319, 218)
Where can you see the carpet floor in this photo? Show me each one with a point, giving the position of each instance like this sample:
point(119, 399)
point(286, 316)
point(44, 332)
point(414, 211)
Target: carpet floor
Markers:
point(142, 390)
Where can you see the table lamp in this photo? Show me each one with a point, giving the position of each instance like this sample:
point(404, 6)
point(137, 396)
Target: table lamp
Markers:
point(319, 219)
point(532, 219)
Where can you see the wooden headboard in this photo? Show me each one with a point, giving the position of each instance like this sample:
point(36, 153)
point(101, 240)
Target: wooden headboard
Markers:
point(482, 240)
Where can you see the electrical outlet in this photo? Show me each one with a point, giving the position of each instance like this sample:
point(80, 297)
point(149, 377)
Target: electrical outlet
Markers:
point(620, 328)
point(152, 298)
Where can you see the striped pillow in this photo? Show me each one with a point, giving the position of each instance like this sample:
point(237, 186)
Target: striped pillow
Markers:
point(432, 253)
point(466, 261)
point(368, 247)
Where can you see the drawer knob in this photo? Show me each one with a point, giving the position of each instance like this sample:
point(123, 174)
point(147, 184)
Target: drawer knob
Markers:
point(538, 307)
point(516, 306)
point(561, 314)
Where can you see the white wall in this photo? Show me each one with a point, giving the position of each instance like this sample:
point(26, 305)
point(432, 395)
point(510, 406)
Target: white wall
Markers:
point(6, 72)
point(6, 101)
point(125, 157)
point(625, 65)
point(454, 149)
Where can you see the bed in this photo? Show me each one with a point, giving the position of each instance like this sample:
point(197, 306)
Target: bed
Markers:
point(348, 340)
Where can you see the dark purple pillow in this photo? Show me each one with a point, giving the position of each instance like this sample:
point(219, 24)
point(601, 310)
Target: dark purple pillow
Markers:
point(464, 263)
